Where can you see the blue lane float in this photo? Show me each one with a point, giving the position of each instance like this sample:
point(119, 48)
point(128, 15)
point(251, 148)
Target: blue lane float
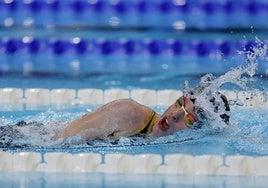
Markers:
point(195, 14)
point(28, 55)
point(174, 47)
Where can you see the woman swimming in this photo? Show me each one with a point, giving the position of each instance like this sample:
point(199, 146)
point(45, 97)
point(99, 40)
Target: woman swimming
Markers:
point(126, 117)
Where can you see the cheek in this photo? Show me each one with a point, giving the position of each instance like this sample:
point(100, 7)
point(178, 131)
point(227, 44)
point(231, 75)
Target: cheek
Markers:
point(159, 133)
point(179, 126)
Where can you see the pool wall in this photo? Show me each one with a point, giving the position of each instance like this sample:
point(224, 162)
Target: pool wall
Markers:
point(120, 163)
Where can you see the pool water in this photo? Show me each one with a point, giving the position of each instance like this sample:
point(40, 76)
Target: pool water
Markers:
point(127, 45)
point(119, 180)
point(155, 81)
point(244, 136)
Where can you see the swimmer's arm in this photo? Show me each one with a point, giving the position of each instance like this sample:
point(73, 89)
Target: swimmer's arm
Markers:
point(118, 118)
point(88, 127)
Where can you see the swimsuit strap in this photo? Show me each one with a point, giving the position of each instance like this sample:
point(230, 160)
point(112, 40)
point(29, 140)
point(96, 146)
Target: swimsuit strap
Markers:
point(146, 129)
point(149, 126)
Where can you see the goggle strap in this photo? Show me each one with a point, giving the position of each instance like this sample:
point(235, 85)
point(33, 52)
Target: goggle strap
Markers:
point(186, 113)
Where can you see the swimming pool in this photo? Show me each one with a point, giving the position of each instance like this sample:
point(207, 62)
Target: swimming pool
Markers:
point(53, 72)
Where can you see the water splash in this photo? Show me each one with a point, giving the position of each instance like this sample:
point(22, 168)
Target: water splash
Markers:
point(209, 86)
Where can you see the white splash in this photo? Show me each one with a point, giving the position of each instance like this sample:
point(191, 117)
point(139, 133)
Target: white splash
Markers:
point(209, 85)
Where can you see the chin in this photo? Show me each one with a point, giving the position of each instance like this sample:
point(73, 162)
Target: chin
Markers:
point(157, 132)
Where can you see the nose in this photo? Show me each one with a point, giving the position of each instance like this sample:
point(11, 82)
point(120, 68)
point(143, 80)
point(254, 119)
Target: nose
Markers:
point(175, 117)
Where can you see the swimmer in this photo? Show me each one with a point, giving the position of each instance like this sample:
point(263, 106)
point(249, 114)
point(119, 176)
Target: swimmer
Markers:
point(125, 117)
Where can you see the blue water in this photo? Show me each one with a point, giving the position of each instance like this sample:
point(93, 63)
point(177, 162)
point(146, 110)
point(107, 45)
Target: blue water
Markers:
point(129, 59)
point(245, 136)
point(119, 180)
point(121, 45)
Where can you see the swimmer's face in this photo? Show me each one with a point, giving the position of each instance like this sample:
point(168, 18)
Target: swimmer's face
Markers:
point(174, 118)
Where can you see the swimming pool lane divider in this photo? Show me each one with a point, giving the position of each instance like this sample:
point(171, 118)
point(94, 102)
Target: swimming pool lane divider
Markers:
point(64, 96)
point(149, 46)
point(195, 14)
point(177, 164)
point(183, 164)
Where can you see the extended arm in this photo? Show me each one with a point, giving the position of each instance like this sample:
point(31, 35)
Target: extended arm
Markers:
point(120, 117)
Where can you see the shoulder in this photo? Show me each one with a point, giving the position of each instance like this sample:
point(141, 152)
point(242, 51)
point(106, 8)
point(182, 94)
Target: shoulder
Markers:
point(123, 102)
point(126, 105)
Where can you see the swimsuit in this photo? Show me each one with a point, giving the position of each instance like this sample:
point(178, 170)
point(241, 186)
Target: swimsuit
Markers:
point(147, 128)
point(144, 130)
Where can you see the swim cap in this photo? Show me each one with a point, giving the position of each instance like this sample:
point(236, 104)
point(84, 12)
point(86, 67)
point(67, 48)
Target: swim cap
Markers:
point(210, 104)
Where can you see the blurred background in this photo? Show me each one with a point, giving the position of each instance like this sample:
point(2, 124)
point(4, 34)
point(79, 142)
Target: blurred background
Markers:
point(88, 43)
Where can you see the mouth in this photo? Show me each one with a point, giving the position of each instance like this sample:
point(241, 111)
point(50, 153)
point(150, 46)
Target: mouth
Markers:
point(163, 124)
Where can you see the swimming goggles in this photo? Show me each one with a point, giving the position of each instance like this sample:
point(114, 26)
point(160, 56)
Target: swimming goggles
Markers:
point(188, 118)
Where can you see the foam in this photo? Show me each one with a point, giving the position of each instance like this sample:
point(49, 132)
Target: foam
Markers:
point(252, 99)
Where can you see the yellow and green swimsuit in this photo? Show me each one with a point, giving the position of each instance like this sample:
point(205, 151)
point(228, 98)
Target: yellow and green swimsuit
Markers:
point(146, 129)
point(148, 126)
